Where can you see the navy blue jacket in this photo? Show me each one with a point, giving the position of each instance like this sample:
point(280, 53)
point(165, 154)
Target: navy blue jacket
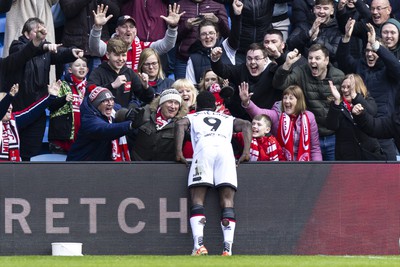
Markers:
point(94, 138)
point(27, 116)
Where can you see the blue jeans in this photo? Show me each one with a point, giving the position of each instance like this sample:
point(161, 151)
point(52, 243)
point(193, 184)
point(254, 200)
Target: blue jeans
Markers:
point(327, 144)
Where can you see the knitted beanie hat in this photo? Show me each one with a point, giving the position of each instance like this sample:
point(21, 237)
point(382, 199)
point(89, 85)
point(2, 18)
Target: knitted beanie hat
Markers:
point(98, 95)
point(170, 94)
point(393, 21)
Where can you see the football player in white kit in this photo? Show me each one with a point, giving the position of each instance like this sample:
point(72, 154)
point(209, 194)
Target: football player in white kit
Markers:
point(213, 165)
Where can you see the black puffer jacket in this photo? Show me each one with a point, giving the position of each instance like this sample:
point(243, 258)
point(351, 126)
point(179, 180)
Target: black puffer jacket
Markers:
point(316, 92)
point(264, 94)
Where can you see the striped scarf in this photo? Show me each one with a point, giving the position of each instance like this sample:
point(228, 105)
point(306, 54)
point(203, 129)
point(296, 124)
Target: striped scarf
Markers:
point(9, 141)
point(285, 137)
point(120, 151)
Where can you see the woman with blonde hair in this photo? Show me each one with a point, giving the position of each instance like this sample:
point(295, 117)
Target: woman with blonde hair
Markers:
point(293, 125)
point(351, 142)
point(150, 63)
point(188, 92)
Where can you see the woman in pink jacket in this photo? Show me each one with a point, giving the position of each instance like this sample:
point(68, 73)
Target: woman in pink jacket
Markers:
point(293, 125)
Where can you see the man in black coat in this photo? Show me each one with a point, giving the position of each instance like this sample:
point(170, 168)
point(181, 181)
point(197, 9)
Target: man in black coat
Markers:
point(33, 79)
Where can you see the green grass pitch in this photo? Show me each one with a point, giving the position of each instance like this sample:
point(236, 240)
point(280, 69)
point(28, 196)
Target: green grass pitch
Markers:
point(203, 261)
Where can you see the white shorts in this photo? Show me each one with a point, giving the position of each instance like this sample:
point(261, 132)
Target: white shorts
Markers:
point(213, 166)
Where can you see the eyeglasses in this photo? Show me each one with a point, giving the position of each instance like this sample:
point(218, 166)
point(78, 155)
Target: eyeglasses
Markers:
point(153, 64)
point(379, 8)
point(107, 101)
point(256, 59)
point(205, 34)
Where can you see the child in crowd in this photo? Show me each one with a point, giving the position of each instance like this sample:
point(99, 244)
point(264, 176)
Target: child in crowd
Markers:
point(216, 90)
point(264, 146)
point(65, 116)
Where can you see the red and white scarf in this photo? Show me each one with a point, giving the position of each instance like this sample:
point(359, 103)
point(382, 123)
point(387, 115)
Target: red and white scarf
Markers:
point(348, 105)
point(134, 52)
point(285, 137)
point(119, 150)
point(160, 120)
point(254, 150)
point(78, 88)
point(9, 141)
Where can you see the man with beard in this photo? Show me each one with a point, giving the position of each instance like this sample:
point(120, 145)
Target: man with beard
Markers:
point(380, 70)
point(313, 79)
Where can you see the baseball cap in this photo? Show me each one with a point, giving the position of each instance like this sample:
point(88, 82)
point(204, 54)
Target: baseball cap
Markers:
point(123, 19)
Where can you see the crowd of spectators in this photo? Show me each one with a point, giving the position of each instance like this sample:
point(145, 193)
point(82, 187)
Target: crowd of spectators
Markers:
point(128, 71)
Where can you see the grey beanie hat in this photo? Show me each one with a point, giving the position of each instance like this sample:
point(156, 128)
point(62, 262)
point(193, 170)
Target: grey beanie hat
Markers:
point(393, 21)
point(98, 95)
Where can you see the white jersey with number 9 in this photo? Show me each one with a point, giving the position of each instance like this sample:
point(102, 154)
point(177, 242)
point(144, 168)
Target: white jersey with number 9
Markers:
point(213, 160)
